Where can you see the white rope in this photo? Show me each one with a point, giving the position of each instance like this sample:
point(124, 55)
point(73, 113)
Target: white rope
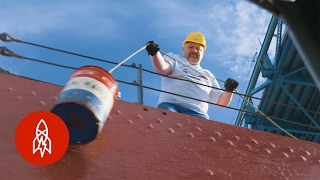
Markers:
point(111, 70)
point(265, 116)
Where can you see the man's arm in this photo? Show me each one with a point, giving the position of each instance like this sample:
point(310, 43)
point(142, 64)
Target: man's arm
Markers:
point(225, 98)
point(158, 62)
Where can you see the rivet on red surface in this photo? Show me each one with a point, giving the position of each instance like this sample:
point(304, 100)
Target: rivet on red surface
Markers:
point(19, 98)
point(212, 139)
point(33, 93)
point(236, 138)
point(41, 103)
point(150, 126)
point(179, 125)
point(248, 147)
point(110, 117)
point(139, 116)
point(159, 121)
point(145, 109)
point(218, 133)
point(54, 98)
point(272, 145)
point(308, 153)
point(303, 158)
point(118, 112)
point(290, 150)
point(285, 154)
point(254, 141)
point(9, 89)
point(130, 121)
point(170, 130)
point(191, 135)
point(209, 172)
point(230, 142)
point(199, 129)
point(267, 151)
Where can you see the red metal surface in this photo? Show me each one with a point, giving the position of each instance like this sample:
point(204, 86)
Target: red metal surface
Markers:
point(140, 142)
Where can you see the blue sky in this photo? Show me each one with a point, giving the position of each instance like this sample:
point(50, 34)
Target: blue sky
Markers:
point(113, 30)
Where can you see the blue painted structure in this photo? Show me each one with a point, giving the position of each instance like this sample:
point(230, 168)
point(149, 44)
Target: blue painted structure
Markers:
point(292, 97)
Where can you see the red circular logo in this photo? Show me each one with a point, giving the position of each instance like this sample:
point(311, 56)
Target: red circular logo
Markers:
point(42, 138)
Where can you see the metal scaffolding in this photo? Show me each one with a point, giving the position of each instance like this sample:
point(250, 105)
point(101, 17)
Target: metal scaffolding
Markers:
point(289, 92)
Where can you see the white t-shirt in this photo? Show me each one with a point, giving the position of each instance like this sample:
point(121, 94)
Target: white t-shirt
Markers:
point(189, 89)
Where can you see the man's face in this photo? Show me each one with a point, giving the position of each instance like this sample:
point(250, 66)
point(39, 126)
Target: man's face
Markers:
point(193, 52)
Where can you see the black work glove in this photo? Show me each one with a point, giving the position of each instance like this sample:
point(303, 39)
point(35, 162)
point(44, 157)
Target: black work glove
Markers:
point(230, 85)
point(152, 48)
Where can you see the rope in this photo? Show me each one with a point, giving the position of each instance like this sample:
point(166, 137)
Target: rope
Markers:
point(6, 52)
point(10, 53)
point(4, 37)
point(111, 70)
point(269, 119)
point(8, 38)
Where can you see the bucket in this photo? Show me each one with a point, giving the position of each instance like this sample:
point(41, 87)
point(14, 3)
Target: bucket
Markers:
point(85, 102)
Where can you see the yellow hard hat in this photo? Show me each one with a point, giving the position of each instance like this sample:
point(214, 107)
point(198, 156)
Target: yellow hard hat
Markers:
point(195, 37)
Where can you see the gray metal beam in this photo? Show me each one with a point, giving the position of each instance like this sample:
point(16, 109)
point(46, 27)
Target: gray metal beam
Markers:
point(140, 85)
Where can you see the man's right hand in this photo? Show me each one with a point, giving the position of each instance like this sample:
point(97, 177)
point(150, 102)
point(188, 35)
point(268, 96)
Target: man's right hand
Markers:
point(230, 85)
point(152, 48)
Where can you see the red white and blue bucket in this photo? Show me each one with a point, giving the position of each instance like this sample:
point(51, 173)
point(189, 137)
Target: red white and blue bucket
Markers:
point(85, 102)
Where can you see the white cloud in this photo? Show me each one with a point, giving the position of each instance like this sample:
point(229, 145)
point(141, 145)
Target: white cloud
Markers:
point(236, 46)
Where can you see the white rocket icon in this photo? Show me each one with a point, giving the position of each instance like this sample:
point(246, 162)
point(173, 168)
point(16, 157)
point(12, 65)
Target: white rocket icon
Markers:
point(42, 141)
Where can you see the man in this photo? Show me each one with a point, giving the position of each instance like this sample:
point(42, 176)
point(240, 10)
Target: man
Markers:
point(189, 68)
